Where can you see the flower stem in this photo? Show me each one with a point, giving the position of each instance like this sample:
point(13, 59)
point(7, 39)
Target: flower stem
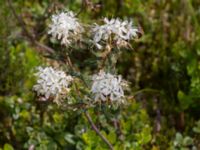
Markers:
point(94, 127)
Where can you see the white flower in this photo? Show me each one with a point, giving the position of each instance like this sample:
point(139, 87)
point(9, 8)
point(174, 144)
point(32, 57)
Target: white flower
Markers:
point(65, 27)
point(51, 82)
point(119, 32)
point(107, 87)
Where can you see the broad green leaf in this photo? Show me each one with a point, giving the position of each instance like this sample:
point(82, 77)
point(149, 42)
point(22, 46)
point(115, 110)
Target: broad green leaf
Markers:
point(7, 147)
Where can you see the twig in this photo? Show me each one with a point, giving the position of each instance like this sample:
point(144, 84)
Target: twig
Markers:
point(158, 115)
point(28, 35)
point(88, 4)
point(147, 90)
point(97, 130)
point(19, 19)
point(42, 46)
point(83, 4)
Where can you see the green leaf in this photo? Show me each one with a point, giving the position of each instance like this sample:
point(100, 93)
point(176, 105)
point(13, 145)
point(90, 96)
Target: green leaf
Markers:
point(196, 130)
point(8, 147)
point(179, 138)
point(192, 67)
point(184, 100)
point(89, 137)
point(187, 141)
point(69, 138)
point(112, 137)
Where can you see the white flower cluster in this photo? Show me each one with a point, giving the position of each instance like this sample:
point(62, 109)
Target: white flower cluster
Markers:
point(107, 87)
point(65, 27)
point(51, 82)
point(118, 31)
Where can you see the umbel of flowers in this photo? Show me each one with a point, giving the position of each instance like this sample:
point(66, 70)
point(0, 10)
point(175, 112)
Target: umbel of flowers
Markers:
point(113, 32)
point(65, 27)
point(105, 87)
point(51, 83)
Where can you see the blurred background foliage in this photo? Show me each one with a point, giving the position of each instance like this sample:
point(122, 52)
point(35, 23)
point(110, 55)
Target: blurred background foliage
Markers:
point(163, 68)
